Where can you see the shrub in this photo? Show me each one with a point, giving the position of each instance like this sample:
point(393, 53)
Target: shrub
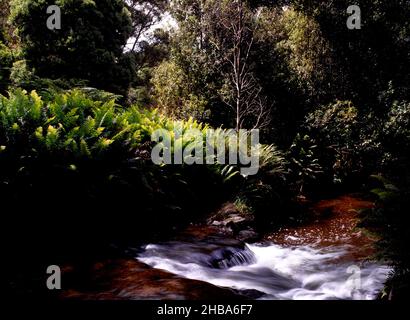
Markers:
point(269, 195)
point(304, 164)
point(79, 149)
point(335, 123)
point(390, 221)
point(396, 131)
point(173, 93)
point(336, 129)
point(90, 160)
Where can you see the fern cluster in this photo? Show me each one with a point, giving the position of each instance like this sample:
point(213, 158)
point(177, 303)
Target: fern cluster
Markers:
point(72, 124)
point(77, 144)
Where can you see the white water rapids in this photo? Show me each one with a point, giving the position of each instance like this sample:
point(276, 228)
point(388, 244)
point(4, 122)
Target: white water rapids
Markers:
point(271, 271)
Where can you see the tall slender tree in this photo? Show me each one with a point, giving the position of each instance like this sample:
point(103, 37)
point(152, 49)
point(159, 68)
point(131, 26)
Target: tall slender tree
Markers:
point(145, 14)
point(246, 98)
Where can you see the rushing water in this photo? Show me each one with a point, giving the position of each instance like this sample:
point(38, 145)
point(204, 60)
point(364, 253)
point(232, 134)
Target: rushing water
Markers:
point(324, 259)
point(270, 271)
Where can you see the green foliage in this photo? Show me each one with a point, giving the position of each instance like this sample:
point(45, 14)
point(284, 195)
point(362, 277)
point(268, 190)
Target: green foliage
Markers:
point(272, 161)
point(85, 162)
point(84, 134)
point(390, 221)
point(7, 35)
point(172, 93)
point(89, 45)
point(353, 145)
point(308, 54)
point(242, 206)
point(268, 195)
point(6, 61)
point(201, 48)
point(80, 153)
point(393, 137)
point(149, 55)
point(335, 123)
point(144, 15)
point(20, 75)
point(72, 124)
point(367, 61)
point(397, 126)
point(336, 128)
point(304, 164)
point(80, 160)
point(7, 52)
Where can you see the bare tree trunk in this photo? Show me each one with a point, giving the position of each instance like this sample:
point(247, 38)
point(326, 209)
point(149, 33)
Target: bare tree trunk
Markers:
point(248, 103)
point(239, 63)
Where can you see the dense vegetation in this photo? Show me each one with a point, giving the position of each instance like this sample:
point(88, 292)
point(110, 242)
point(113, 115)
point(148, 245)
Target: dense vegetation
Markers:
point(333, 106)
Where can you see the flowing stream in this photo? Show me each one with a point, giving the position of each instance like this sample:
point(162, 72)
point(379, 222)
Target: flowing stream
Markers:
point(317, 262)
point(326, 258)
point(269, 271)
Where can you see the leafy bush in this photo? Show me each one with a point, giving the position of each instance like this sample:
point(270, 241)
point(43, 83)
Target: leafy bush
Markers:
point(395, 135)
point(308, 53)
point(86, 165)
point(269, 195)
point(336, 129)
point(81, 154)
point(390, 221)
point(397, 126)
point(384, 143)
point(335, 123)
point(6, 61)
point(173, 93)
point(304, 164)
point(21, 76)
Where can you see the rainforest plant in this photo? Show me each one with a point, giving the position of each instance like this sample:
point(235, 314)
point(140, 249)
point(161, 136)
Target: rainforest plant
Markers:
point(304, 163)
point(83, 155)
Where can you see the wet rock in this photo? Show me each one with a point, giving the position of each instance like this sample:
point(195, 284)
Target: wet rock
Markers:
point(248, 235)
point(239, 224)
point(230, 257)
point(128, 279)
point(232, 219)
point(251, 293)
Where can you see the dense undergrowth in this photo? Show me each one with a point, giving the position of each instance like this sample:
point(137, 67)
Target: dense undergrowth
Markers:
point(76, 174)
point(389, 220)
